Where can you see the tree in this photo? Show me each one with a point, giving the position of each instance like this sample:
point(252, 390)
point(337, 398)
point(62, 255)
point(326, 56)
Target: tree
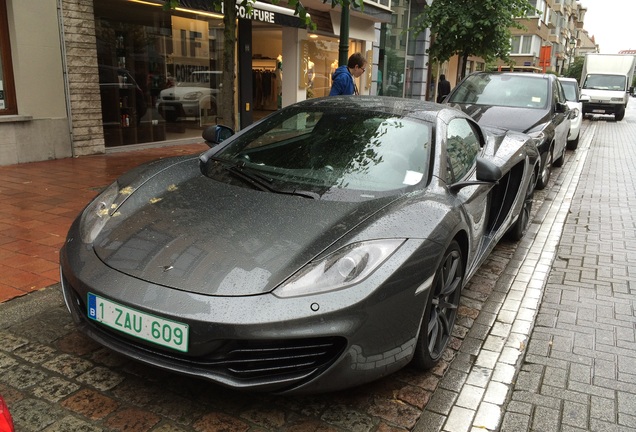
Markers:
point(575, 68)
point(225, 106)
point(471, 27)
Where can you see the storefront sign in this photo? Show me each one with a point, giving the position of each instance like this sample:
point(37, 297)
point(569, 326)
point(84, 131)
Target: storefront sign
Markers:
point(262, 12)
point(255, 14)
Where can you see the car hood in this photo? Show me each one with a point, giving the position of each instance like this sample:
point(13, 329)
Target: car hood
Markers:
point(204, 236)
point(517, 119)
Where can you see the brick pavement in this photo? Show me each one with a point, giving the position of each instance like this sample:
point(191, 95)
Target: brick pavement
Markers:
point(579, 372)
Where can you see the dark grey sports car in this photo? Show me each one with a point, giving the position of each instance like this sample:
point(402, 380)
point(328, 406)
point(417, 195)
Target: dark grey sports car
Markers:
point(323, 247)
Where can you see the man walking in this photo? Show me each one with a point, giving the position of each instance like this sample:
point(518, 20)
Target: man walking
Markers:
point(443, 88)
point(342, 79)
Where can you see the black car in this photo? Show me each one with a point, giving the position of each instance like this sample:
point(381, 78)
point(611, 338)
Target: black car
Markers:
point(524, 102)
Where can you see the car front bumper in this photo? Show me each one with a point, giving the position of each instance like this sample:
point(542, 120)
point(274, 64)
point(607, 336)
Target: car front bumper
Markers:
point(309, 344)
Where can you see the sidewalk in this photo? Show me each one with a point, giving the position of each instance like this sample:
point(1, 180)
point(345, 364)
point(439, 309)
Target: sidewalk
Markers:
point(38, 202)
point(579, 372)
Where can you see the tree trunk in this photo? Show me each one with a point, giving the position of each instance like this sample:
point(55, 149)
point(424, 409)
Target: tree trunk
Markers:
point(464, 58)
point(225, 103)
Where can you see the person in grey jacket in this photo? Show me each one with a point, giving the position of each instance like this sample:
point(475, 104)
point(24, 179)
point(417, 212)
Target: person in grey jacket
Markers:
point(342, 79)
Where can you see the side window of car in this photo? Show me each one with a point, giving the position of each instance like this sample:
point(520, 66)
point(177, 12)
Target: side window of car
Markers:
point(462, 147)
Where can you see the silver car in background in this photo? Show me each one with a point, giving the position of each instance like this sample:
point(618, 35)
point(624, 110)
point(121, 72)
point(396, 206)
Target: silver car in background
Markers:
point(573, 97)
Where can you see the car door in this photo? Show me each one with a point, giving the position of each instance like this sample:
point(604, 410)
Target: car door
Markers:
point(560, 119)
point(464, 143)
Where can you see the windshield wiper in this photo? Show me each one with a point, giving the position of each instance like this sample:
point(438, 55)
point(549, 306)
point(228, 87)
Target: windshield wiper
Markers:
point(259, 180)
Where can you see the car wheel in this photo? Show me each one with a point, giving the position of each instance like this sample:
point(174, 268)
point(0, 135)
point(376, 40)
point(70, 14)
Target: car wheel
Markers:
point(441, 309)
point(520, 227)
point(561, 160)
point(572, 145)
point(619, 114)
point(546, 170)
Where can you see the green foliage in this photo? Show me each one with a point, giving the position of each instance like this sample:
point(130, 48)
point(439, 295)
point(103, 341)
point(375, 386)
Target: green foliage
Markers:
point(471, 27)
point(575, 68)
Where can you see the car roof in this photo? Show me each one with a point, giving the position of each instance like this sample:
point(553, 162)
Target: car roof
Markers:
point(414, 108)
point(519, 74)
point(568, 79)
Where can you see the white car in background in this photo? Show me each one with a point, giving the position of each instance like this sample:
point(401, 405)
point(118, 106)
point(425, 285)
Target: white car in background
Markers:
point(192, 98)
point(573, 97)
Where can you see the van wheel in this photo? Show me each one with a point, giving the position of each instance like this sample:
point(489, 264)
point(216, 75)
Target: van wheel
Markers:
point(619, 114)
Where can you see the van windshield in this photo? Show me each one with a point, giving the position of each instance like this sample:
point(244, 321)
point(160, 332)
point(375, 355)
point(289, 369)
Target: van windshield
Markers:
point(604, 82)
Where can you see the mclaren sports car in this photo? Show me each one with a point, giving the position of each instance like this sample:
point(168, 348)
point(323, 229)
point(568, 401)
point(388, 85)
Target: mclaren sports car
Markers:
point(323, 247)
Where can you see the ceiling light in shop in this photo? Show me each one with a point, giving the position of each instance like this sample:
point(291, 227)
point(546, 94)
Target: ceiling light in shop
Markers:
point(192, 11)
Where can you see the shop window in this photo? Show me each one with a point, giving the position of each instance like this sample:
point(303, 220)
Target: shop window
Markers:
point(7, 91)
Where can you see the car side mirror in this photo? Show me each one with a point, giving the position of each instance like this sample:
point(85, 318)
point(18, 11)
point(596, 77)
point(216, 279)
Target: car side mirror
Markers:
point(487, 171)
point(214, 135)
point(561, 107)
point(584, 98)
point(487, 174)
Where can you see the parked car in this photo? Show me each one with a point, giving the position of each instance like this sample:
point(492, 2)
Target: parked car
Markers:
point(318, 249)
point(6, 422)
point(573, 97)
point(187, 99)
point(524, 102)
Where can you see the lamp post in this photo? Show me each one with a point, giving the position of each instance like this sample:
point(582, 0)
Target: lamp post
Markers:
point(571, 51)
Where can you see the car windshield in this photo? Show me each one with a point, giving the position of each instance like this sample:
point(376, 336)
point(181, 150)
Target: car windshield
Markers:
point(569, 87)
point(207, 79)
point(604, 82)
point(327, 151)
point(518, 91)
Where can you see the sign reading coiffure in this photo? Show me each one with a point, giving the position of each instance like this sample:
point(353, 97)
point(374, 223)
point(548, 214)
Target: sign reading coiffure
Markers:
point(268, 13)
point(262, 12)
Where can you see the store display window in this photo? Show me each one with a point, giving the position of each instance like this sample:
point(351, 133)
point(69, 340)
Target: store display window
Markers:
point(159, 71)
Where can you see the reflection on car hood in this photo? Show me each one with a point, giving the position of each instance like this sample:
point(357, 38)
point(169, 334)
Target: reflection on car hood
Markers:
point(517, 119)
point(211, 238)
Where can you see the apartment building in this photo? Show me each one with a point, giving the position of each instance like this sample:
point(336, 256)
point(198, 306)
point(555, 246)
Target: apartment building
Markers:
point(551, 38)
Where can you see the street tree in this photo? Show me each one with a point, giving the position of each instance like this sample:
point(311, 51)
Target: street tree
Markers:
point(575, 68)
point(225, 106)
point(471, 27)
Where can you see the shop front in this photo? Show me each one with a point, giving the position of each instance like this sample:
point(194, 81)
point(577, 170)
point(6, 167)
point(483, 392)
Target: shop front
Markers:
point(160, 71)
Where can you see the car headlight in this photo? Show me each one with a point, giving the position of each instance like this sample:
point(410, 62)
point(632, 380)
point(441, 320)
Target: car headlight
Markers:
point(538, 137)
point(193, 96)
point(345, 267)
point(98, 212)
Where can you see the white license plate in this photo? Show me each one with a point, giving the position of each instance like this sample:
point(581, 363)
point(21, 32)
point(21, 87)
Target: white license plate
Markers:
point(145, 326)
point(599, 111)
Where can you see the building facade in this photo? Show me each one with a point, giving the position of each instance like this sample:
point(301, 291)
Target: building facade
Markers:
point(551, 37)
point(81, 77)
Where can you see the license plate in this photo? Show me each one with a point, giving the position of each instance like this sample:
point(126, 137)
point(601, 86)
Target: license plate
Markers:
point(142, 325)
point(599, 111)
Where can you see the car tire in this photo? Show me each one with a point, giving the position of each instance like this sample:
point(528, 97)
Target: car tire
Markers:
point(546, 171)
point(561, 160)
point(572, 145)
point(619, 114)
point(441, 309)
point(519, 228)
